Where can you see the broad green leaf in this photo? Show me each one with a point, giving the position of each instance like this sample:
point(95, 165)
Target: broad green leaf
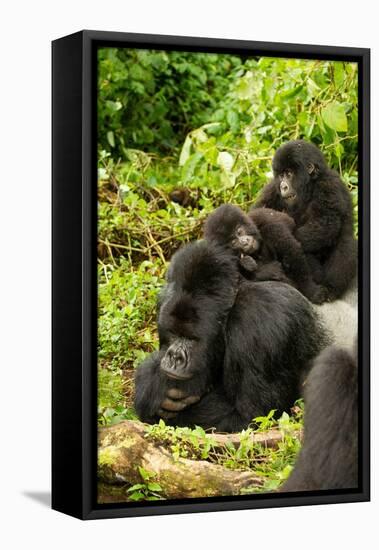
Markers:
point(110, 138)
point(137, 496)
point(145, 474)
point(136, 487)
point(233, 120)
point(211, 126)
point(114, 105)
point(313, 88)
point(338, 150)
point(225, 161)
point(293, 92)
point(186, 151)
point(101, 173)
point(199, 135)
point(190, 165)
point(339, 73)
point(334, 116)
point(154, 486)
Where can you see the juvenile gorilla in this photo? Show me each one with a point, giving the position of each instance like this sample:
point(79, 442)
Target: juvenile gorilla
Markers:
point(329, 457)
point(228, 352)
point(265, 246)
point(320, 204)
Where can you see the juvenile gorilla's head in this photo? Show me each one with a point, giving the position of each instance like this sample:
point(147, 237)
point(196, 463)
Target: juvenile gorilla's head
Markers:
point(228, 226)
point(296, 166)
point(200, 291)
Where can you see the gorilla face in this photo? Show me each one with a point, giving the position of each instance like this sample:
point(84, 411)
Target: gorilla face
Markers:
point(296, 165)
point(228, 226)
point(293, 183)
point(187, 334)
point(286, 185)
point(245, 238)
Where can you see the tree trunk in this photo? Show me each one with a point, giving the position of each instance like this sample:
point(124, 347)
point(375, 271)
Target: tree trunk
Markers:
point(124, 447)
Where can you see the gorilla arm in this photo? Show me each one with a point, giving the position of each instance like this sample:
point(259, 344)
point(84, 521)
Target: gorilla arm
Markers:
point(269, 197)
point(150, 388)
point(321, 229)
point(154, 400)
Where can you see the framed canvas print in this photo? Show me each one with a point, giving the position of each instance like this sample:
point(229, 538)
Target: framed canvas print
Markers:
point(210, 274)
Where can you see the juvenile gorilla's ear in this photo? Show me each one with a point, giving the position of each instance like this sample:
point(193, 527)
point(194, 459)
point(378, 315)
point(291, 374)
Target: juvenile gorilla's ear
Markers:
point(310, 168)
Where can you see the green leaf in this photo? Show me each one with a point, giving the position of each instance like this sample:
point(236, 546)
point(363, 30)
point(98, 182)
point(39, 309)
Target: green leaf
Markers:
point(110, 138)
point(113, 105)
point(186, 151)
point(190, 166)
point(101, 173)
point(137, 496)
point(135, 487)
point(286, 471)
point(154, 486)
point(339, 150)
point(339, 73)
point(145, 474)
point(334, 116)
point(233, 120)
point(225, 161)
point(293, 92)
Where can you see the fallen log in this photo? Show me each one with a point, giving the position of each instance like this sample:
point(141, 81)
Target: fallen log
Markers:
point(270, 438)
point(124, 447)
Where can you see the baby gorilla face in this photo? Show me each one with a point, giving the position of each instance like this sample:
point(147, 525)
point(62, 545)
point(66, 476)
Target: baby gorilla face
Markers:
point(245, 239)
point(286, 185)
point(294, 166)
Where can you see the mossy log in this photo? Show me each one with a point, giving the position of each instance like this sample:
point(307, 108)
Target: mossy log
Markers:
point(123, 447)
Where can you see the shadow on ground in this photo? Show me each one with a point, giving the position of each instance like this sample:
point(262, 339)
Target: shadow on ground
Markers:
point(42, 497)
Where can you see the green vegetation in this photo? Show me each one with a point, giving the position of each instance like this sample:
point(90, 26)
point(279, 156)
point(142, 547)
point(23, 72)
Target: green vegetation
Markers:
point(272, 464)
point(148, 490)
point(208, 123)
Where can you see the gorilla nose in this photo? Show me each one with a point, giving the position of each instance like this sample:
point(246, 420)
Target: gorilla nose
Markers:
point(175, 363)
point(178, 358)
point(244, 241)
point(284, 187)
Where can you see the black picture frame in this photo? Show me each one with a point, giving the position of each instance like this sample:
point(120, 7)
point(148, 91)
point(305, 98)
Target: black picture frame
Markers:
point(74, 316)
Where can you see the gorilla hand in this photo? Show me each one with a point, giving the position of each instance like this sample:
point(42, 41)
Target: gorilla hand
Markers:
point(248, 264)
point(175, 401)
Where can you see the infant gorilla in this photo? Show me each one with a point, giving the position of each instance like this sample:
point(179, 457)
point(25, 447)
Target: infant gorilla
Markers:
point(265, 245)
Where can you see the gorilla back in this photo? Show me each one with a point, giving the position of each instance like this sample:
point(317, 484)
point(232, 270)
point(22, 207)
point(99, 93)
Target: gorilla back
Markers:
point(239, 349)
point(329, 456)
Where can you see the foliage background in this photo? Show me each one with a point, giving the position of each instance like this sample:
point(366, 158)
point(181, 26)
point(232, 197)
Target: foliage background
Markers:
point(208, 123)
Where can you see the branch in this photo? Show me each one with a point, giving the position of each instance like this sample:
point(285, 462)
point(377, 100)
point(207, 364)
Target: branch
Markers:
point(124, 447)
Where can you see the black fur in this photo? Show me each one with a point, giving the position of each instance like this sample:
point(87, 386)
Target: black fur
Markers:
point(243, 348)
point(322, 211)
point(329, 456)
point(279, 256)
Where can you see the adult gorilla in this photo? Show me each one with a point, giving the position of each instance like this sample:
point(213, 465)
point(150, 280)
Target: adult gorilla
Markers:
point(329, 456)
point(230, 350)
point(320, 204)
